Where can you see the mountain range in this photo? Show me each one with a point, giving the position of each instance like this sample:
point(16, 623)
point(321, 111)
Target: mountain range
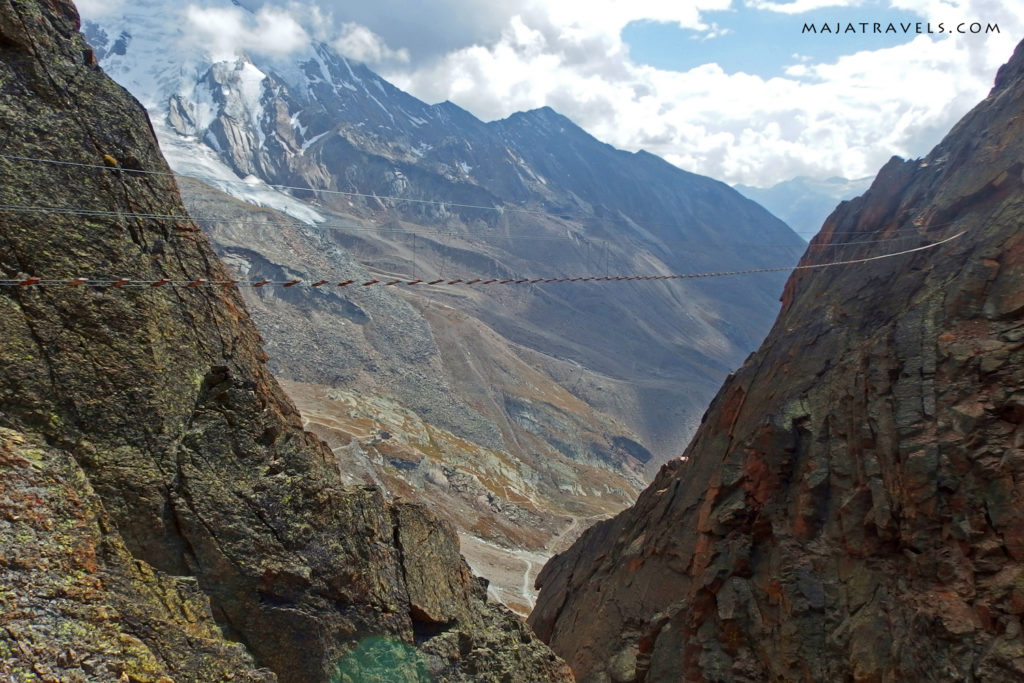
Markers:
point(552, 404)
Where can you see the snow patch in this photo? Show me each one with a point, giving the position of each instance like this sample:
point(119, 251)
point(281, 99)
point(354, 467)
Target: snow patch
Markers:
point(351, 72)
point(298, 127)
point(415, 120)
point(205, 106)
point(250, 87)
point(187, 156)
point(308, 143)
point(386, 110)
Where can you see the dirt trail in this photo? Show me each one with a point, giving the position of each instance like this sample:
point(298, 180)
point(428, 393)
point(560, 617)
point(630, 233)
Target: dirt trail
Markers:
point(513, 572)
point(569, 534)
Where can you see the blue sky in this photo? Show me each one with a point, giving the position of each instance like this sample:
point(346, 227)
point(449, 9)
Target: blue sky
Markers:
point(759, 41)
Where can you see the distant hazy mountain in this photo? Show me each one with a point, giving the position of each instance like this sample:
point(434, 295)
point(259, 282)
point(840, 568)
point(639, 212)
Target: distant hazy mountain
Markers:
point(804, 203)
point(519, 409)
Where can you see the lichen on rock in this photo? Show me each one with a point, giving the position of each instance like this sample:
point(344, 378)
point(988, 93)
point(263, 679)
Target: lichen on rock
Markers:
point(162, 513)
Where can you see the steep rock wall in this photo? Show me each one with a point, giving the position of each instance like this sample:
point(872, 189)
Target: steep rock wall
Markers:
point(850, 507)
point(144, 436)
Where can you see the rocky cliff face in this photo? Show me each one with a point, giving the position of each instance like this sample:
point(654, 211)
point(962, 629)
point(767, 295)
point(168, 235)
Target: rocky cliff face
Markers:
point(162, 513)
point(850, 507)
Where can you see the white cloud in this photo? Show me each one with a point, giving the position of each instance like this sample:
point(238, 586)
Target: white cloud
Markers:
point(818, 119)
point(228, 31)
point(714, 31)
point(611, 16)
point(96, 9)
point(800, 6)
point(360, 43)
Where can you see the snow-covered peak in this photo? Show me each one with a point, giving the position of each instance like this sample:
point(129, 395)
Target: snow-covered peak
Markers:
point(289, 117)
point(159, 48)
point(213, 107)
point(236, 89)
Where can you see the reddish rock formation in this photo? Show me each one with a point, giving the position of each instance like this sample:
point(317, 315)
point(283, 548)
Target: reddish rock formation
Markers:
point(162, 513)
point(851, 507)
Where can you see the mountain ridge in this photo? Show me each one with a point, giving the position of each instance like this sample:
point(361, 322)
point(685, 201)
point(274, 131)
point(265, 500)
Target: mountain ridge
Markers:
point(847, 509)
point(395, 146)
